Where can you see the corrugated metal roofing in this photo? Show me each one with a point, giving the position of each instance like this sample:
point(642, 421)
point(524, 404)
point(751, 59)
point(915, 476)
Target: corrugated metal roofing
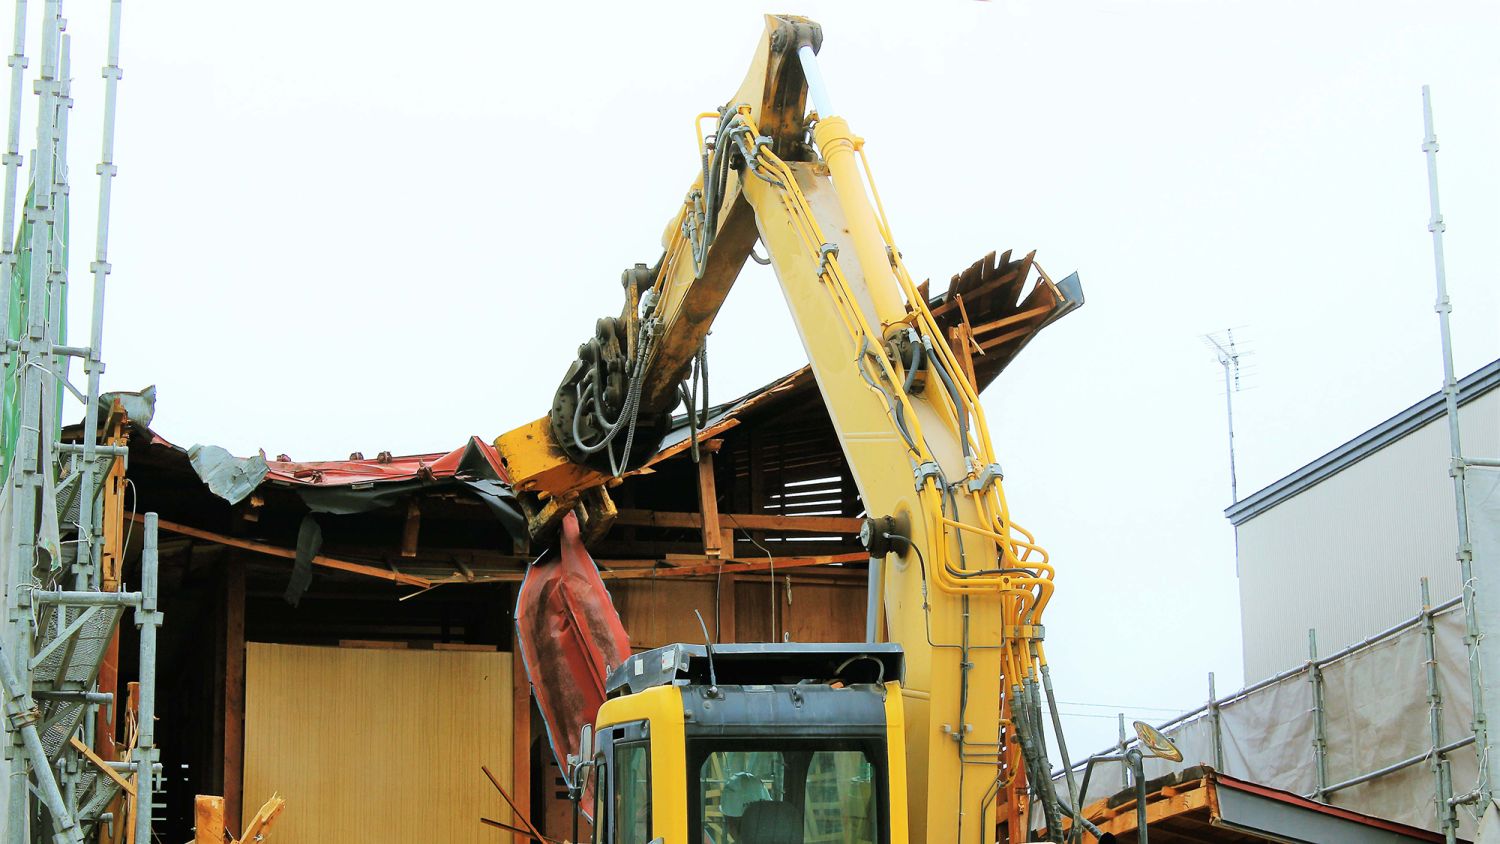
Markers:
point(385, 467)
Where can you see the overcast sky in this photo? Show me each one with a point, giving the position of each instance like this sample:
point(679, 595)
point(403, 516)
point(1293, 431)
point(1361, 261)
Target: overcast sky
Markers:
point(365, 226)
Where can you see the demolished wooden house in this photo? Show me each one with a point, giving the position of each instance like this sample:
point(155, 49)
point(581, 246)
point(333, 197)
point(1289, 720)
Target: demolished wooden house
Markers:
point(329, 621)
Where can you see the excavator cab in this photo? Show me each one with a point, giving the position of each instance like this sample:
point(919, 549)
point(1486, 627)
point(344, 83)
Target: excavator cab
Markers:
point(750, 744)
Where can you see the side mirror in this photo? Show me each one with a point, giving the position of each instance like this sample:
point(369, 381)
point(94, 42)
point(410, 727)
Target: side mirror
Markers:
point(577, 762)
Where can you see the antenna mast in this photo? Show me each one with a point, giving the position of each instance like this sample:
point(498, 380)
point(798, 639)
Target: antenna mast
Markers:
point(1229, 358)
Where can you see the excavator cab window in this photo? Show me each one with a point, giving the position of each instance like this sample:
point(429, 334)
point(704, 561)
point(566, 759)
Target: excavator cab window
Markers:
point(800, 792)
point(632, 794)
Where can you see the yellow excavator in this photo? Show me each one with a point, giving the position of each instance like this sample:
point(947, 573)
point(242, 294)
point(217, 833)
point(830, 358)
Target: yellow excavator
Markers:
point(932, 728)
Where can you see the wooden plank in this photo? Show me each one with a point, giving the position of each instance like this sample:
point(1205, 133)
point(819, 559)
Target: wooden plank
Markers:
point(374, 644)
point(1121, 818)
point(234, 690)
point(743, 521)
point(736, 567)
point(708, 500)
point(960, 340)
point(103, 766)
point(286, 553)
point(1013, 319)
point(714, 430)
point(256, 829)
point(369, 745)
point(1007, 337)
point(208, 819)
point(110, 557)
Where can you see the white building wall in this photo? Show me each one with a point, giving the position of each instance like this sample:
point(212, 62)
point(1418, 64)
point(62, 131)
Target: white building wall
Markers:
point(1345, 556)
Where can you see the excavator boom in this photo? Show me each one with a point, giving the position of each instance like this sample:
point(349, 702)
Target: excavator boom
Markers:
point(954, 580)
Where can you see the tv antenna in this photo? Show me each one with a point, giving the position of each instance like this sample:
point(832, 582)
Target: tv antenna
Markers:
point(1229, 354)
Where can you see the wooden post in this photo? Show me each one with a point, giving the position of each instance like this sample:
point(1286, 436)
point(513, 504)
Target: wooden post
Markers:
point(520, 735)
point(412, 528)
point(110, 555)
point(234, 689)
point(208, 819)
point(708, 500)
point(960, 340)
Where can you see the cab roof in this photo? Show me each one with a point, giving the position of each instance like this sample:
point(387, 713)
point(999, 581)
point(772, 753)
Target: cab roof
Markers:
point(756, 664)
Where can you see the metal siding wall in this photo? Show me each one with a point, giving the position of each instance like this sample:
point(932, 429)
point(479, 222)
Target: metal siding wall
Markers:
point(377, 746)
point(1344, 556)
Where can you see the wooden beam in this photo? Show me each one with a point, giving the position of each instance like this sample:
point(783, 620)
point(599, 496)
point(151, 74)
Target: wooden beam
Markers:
point(1120, 819)
point(708, 501)
point(103, 766)
point(285, 553)
point(960, 340)
point(1008, 336)
point(675, 449)
point(743, 521)
point(208, 819)
point(110, 556)
point(1013, 319)
point(736, 567)
point(412, 528)
point(234, 690)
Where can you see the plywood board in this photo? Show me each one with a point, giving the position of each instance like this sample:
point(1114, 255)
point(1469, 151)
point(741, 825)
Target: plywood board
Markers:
point(378, 746)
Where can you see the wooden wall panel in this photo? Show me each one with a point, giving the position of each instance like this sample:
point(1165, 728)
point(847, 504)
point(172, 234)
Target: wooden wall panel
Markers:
point(660, 612)
point(378, 746)
point(818, 612)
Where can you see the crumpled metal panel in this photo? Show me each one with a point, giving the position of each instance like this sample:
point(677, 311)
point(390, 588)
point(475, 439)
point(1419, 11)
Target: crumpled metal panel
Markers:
point(570, 637)
point(139, 406)
point(229, 477)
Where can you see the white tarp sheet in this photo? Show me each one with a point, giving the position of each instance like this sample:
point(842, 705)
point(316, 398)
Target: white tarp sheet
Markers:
point(1377, 710)
point(1376, 713)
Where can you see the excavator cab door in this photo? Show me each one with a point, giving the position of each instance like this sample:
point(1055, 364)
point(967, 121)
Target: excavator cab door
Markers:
point(621, 773)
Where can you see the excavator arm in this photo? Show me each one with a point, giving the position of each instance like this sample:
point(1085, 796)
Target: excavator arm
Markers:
point(626, 379)
point(953, 578)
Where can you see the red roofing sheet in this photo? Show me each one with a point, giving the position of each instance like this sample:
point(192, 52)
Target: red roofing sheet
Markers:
point(383, 468)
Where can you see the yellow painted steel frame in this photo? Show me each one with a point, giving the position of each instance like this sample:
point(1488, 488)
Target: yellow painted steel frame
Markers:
point(662, 708)
point(965, 600)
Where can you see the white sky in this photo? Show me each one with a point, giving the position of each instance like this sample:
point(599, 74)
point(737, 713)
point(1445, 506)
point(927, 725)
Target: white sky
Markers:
point(368, 226)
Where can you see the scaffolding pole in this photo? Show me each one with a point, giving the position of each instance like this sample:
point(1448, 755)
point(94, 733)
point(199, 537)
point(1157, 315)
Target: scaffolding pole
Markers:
point(91, 530)
point(56, 625)
point(1438, 762)
point(1478, 602)
point(1320, 730)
